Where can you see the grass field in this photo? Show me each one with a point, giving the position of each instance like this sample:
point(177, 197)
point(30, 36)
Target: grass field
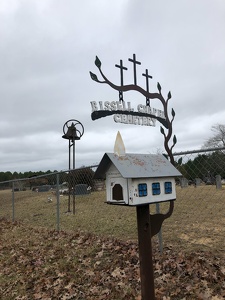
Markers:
point(95, 254)
point(198, 220)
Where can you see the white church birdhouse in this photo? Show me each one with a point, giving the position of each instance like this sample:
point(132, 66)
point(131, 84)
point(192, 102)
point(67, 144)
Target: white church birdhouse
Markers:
point(136, 179)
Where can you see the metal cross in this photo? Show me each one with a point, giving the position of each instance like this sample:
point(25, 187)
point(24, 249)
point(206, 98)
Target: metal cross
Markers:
point(135, 62)
point(121, 77)
point(121, 71)
point(147, 85)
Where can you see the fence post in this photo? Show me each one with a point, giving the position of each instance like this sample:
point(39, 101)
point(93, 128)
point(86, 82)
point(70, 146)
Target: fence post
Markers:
point(57, 200)
point(13, 203)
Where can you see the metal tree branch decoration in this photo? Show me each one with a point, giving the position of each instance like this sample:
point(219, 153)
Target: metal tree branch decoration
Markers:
point(167, 122)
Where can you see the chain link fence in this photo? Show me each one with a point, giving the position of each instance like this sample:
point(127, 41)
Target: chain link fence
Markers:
point(73, 200)
point(45, 199)
point(199, 215)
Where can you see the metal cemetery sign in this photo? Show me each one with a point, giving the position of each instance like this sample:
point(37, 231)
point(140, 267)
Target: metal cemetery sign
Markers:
point(142, 114)
point(123, 111)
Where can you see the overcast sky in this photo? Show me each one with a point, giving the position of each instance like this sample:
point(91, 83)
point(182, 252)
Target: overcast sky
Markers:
point(48, 47)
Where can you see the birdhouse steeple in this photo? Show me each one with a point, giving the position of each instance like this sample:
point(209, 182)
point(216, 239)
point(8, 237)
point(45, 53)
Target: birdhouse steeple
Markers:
point(119, 148)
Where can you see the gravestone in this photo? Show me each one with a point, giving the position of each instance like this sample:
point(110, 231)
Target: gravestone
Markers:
point(197, 181)
point(183, 182)
point(81, 189)
point(218, 182)
point(43, 188)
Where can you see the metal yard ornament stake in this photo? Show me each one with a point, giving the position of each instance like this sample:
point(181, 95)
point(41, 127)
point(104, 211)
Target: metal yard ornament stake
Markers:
point(139, 180)
point(73, 131)
point(152, 176)
point(145, 114)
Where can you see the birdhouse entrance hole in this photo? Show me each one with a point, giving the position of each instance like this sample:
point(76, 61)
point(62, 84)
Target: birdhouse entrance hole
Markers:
point(117, 192)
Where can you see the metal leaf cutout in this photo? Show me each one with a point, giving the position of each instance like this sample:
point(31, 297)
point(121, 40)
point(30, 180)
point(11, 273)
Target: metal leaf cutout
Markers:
point(98, 62)
point(174, 139)
point(161, 130)
point(93, 76)
point(159, 87)
point(173, 112)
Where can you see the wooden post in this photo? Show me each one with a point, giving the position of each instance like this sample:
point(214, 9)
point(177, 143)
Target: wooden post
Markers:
point(145, 252)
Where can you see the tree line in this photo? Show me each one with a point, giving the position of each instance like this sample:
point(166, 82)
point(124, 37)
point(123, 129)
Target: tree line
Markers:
point(83, 175)
point(207, 166)
point(203, 166)
point(6, 176)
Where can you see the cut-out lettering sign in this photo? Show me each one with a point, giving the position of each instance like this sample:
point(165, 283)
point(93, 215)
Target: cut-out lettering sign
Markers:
point(124, 113)
point(141, 114)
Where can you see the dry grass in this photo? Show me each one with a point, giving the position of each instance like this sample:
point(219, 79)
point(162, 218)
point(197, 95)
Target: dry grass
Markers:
point(198, 220)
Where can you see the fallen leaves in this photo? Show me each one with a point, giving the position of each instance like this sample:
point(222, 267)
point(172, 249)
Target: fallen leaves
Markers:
point(39, 264)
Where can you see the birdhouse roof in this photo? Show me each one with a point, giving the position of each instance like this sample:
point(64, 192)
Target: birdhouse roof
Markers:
point(137, 166)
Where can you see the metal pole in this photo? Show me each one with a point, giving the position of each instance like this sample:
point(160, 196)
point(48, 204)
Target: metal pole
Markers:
point(72, 134)
point(13, 203)
point(145, 252)
point(73, 154)
point(73, 177)
point(57, 199)
point(160, 231)
point(69, 181)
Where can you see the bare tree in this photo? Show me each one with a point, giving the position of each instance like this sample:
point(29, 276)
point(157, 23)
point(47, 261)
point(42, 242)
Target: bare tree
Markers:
point(218, 138)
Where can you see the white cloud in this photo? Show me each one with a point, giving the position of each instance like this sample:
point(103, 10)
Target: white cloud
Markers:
point(48, 48)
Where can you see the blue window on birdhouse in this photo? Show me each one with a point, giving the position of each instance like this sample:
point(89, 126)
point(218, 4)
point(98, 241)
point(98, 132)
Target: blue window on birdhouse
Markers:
point(156, 188)
point(168, 187)
point(142, 190)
